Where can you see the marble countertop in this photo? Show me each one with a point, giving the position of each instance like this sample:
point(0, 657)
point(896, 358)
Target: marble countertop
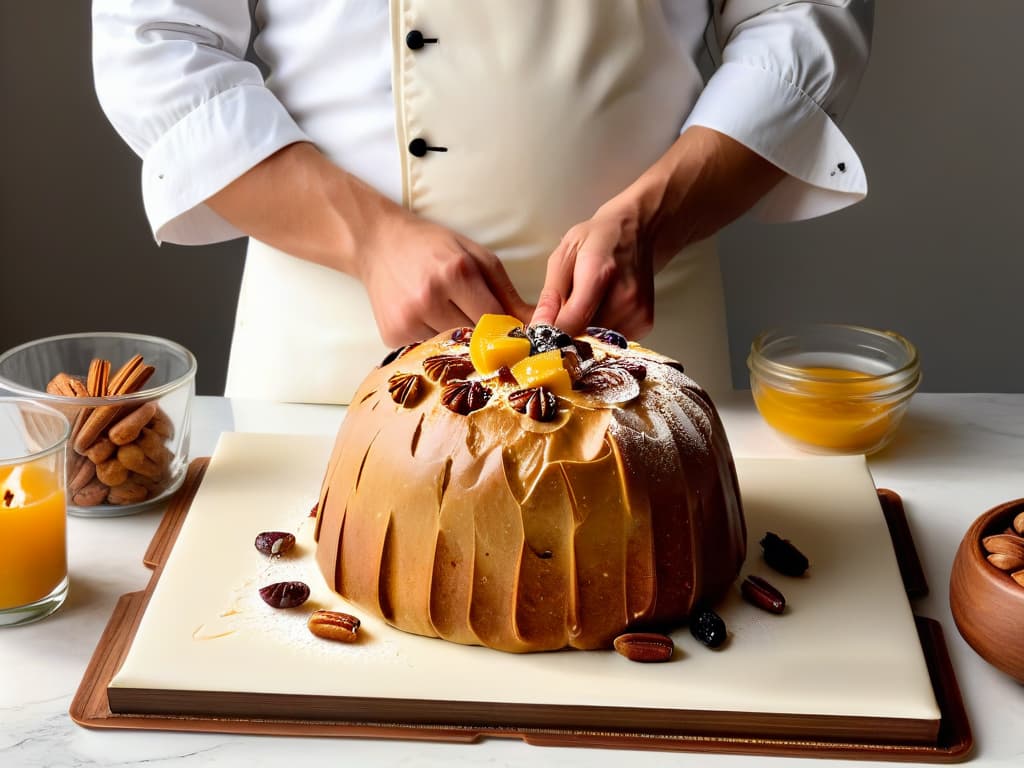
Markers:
point(956, 456)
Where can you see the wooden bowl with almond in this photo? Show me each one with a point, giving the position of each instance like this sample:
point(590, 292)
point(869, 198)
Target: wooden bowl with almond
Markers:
point(986, 587)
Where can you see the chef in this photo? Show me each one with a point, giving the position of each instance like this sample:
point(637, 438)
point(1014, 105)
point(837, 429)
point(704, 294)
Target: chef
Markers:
point(403, 167)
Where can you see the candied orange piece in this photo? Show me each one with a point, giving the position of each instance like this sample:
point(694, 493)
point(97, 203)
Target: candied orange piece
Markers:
point(491, 347)
point(544, 370)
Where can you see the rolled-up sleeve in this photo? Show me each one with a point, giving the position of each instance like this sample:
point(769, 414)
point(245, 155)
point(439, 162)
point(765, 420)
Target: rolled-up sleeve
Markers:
point(788, 73)
point(173, 80)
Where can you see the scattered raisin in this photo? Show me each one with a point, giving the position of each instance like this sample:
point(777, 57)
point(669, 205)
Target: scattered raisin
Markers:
point(708, 627)
point(781, 555)
point(285, 594)
point(275, 542)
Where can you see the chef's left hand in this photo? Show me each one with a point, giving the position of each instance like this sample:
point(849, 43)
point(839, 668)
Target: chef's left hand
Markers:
point(600, 274)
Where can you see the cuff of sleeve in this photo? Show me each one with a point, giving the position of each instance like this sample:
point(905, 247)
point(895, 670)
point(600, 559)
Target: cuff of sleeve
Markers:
point(786, 127)
point(205, 151)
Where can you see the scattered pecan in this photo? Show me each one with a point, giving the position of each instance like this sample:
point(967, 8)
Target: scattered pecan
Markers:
point(536, 402)
point(405, 388)
point(464, 397)
point(759, 592)
point(645, 646)
point(334, 625)
point(445, 368)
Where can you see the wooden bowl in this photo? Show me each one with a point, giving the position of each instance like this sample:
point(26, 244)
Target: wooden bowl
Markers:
point(987, 605)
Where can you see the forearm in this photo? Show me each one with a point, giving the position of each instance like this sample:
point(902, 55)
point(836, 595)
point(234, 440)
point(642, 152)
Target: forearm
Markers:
point(704, 181)
point(299, 202)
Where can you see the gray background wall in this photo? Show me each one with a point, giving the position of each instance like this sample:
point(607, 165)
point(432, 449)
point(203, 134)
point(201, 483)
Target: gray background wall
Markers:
point(934, 252)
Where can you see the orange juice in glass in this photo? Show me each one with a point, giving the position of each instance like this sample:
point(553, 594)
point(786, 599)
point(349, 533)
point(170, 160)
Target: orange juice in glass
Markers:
point(33, 510)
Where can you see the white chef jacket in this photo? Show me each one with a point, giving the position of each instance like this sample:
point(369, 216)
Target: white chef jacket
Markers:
point(183, 83)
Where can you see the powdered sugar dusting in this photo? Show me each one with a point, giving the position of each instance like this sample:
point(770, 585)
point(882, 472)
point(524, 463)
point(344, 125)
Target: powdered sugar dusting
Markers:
point(245, 613)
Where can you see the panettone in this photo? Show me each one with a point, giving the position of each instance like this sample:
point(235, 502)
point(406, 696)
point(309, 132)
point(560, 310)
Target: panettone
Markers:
point(523, 490)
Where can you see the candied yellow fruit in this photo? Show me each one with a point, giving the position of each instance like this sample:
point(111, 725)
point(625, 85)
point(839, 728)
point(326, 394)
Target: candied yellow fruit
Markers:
point(544, 370)
point(491, 347)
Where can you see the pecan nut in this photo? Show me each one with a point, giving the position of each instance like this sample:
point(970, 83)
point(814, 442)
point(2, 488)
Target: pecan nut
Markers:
point(445, 368)
point(464, 397)
point(609, 383)
point(646, 647)
point(405, 388)
point(536, 402)
point(759, 592)
point(334, 625)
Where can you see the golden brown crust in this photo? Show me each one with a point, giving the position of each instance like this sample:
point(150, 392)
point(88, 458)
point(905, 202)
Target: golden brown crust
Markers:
point(491, 527)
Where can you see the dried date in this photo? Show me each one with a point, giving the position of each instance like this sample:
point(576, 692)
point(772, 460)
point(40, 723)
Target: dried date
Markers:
point(285, 594)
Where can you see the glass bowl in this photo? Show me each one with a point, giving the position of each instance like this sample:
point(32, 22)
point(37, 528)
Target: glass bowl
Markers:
point(129, 447)
point(834, 389)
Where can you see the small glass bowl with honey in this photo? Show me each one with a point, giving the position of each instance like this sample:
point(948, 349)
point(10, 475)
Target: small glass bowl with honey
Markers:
point(834, 389)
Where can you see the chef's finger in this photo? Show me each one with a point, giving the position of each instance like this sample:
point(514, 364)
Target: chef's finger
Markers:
point(499, 282)
point(444, 315)
point(470, 292)
point(399, 336)
point(464, 319)
point(628, 308)
point(593, 275)
point(557, 284)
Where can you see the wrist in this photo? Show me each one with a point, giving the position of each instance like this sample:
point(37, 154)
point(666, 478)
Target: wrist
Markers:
point(359, 223)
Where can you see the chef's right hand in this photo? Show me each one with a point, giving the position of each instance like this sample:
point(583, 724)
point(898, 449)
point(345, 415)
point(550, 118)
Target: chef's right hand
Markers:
point(423, 278)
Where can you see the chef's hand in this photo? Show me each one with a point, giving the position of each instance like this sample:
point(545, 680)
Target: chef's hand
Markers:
point(423, 278)
point(602, 273)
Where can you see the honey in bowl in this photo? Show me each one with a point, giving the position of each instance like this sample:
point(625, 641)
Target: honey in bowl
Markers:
point(833, 388)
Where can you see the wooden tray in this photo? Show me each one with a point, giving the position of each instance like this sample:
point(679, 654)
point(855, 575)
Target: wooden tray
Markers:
point(90, 706)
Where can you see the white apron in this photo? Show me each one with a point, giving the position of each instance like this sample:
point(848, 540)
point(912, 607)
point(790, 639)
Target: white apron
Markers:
point(546, 109)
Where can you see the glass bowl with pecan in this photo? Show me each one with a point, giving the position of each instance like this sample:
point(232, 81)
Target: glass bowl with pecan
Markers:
point(129, 400)
point(986, 587)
